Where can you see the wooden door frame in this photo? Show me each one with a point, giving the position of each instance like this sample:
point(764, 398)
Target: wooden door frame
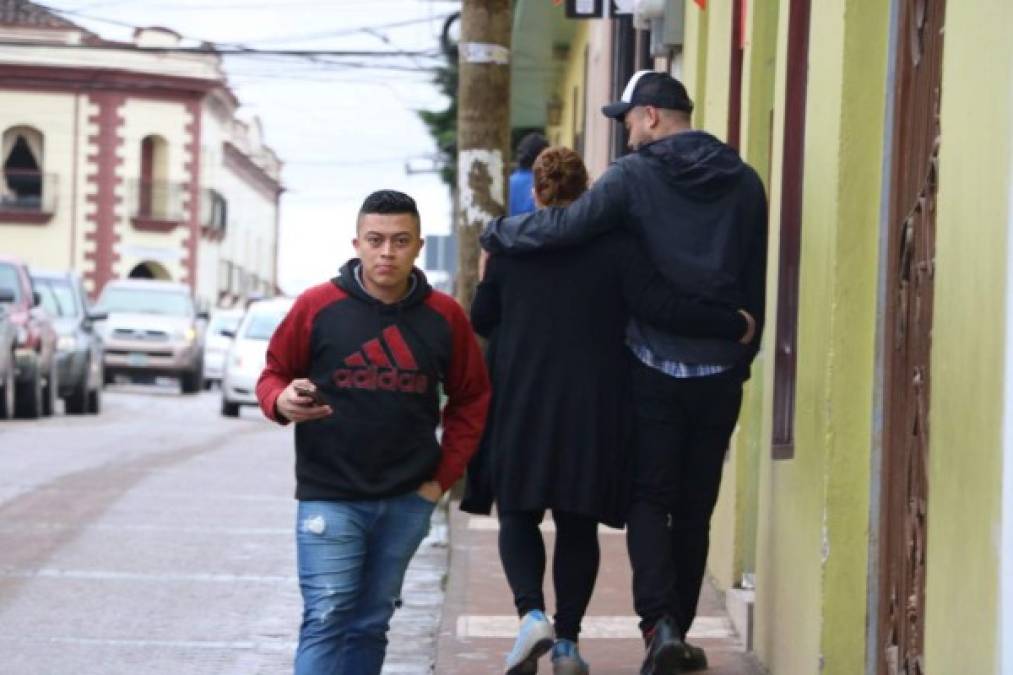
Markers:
point(904, 375)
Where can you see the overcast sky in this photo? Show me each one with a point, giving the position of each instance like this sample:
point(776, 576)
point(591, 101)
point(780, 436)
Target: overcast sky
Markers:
point(341, 132)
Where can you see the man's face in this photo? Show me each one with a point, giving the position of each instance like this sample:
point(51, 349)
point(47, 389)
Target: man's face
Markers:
point(639, 123)
point(387, 244)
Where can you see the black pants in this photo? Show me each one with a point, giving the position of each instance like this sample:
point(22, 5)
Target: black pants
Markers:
point(574, 565)
point(682, 431)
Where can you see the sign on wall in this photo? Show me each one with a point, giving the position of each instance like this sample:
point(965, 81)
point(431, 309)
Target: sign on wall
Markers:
point(596, 9)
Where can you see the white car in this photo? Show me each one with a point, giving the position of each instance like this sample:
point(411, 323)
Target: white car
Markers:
point(246, 356)
point(217, 341)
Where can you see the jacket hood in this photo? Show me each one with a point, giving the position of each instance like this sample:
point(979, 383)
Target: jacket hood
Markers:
point(697, 163)
point(346, 281)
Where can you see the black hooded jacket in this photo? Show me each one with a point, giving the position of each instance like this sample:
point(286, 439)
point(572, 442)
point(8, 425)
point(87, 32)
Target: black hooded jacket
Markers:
point(379, 366)
point(702, 215)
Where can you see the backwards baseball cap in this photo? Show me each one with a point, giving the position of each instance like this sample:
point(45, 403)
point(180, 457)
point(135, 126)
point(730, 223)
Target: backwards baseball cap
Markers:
point(649, 87)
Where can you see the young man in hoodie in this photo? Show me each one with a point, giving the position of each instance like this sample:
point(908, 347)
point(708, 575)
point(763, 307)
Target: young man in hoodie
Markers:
point(357, 365)
point(702, 213)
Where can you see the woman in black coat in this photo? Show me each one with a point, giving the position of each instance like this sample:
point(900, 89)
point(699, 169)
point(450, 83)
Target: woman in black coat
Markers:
point(558, 422)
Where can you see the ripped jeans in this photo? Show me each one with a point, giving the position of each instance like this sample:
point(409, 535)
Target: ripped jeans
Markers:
point(352, 558)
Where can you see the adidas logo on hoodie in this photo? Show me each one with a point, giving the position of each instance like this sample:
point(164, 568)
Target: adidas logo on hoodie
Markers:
point(385, 363)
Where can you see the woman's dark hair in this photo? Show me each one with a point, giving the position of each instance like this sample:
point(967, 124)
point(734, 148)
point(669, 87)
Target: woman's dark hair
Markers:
point(560, 176)
point(529, 148)
point(390, 201)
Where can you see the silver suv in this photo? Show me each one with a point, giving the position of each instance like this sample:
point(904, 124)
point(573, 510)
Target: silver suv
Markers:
point(153, 329)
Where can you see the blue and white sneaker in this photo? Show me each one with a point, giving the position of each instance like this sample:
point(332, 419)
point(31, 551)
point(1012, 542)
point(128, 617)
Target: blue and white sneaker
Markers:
point(533, 639)
point(566, 659)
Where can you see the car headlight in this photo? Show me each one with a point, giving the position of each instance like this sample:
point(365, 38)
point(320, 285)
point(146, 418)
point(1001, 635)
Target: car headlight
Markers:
point(188, 334)
point(66, 343)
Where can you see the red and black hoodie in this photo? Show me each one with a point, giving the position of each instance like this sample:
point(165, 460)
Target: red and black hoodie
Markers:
point(380, 368)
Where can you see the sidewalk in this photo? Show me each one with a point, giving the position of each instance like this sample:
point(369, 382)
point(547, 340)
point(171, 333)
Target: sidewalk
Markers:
point(479, 622)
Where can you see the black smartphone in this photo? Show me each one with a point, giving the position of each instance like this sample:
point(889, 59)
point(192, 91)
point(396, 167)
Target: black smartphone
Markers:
point(303, 390)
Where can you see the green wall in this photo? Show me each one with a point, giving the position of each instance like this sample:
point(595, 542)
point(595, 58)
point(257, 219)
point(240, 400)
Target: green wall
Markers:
point(803, 524)
point(965, 453)
point(814, 509)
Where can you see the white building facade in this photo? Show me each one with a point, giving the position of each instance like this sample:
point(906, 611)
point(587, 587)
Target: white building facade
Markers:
point(119, 160)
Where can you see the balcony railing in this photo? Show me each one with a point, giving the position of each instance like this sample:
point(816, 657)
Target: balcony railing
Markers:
point(157, 205)
point(27, 196)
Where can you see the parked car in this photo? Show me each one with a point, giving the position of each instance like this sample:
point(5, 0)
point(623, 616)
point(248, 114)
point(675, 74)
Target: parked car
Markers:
point(36, 384)
point(8, 368)
point(79, 348)
point(153, 329)
point(217, 341)
point(246, 357)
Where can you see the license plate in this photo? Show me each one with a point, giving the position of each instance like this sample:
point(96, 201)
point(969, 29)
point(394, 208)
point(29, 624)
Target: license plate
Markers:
point(137, 360)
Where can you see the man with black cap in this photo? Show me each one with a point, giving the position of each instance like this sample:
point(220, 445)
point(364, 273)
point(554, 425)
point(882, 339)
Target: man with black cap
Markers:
point(702, 212)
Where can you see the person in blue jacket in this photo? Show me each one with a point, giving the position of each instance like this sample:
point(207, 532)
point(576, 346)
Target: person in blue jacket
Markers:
point(521, 200)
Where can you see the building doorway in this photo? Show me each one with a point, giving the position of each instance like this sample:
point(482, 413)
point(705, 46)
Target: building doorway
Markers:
point(910, 266)
point(150, 270)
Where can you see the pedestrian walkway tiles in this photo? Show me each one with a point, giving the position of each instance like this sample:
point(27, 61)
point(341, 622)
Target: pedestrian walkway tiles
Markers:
point(592, 627)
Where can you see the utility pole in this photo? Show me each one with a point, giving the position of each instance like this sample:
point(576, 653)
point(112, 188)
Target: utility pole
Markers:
point(483, 129)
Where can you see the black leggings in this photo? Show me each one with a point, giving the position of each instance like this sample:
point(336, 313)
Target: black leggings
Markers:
point(574, 566)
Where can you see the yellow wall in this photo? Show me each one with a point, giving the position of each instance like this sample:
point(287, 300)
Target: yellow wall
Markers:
point(787, 612)
point(755, 140)
point(733, 539)
point(571, 80)
point(813, 509)
point(851, 376)
point(694, 65)
point(711, 112)
point(965, 461)
point(52, 114)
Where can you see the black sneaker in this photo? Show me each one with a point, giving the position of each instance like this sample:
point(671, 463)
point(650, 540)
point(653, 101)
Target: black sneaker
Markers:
point(664, 651)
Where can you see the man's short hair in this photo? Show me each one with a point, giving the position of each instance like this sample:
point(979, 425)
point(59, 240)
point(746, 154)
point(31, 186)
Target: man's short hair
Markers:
point(529, 148)
point(389, 202)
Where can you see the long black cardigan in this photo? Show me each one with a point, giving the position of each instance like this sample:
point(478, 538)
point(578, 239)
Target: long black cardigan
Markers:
point(559, 419)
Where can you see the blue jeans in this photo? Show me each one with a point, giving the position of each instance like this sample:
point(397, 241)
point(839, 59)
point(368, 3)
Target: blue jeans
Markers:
point(352, 558)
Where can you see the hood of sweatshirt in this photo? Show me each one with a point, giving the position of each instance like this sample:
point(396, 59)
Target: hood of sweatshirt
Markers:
point(348, 281)
point(696, 163)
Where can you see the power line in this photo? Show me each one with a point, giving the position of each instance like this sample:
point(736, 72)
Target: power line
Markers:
point(243, 44)
point(371, 30)
point(228, 51)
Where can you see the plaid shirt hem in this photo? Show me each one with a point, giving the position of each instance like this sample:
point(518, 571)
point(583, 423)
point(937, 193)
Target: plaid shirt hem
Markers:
point(676, 368)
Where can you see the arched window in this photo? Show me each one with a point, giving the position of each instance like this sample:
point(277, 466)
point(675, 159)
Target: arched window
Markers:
point(153, 190)
point(22, 176)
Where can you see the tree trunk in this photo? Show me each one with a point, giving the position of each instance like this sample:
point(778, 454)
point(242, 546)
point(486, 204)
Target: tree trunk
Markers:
point(483, 130)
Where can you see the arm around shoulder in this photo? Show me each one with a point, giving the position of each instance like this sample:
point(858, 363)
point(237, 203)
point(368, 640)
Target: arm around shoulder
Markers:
point(598, 210)
point(655, 300)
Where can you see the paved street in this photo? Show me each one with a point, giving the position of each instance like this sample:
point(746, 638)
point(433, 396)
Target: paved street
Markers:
point(157, 538)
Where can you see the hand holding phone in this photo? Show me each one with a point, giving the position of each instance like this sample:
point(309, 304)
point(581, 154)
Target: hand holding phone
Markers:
point(310, 391)
point(301, 402)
